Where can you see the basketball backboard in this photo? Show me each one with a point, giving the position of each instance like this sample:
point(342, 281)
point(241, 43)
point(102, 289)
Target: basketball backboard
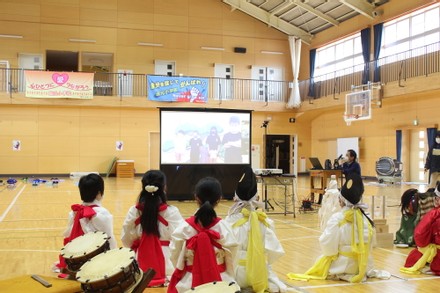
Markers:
point(357, 106)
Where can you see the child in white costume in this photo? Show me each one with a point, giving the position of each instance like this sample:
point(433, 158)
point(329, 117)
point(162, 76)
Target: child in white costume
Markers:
point(330, 203)
point(346, 242)
point(256, 235)
point(148, 227)
point(203, 247)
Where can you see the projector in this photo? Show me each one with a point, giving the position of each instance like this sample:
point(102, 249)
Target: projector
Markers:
point(268, 172)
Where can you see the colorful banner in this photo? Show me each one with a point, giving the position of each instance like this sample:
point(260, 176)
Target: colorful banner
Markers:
point(177, 89)
point(66, 85)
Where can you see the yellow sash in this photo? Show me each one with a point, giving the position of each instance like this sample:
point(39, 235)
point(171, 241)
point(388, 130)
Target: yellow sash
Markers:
point(359, 251)
point(428, 254)
point(255, 263)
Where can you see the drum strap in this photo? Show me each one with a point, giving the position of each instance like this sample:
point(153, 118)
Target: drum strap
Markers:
point(204, 268)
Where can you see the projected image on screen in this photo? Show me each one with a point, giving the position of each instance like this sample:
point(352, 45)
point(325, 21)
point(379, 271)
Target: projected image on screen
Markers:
point(205, 137)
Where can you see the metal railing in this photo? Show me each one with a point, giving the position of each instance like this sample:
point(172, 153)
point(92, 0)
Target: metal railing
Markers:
point(420, 61)
point(126, 85)
point(412, 63)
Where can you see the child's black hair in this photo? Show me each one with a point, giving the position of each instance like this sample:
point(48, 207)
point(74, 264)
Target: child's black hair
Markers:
point(408, 201)
point(152, 200)
point(208, 191)
point(90, 186)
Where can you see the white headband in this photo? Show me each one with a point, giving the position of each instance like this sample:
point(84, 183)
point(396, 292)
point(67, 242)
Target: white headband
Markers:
point(437, 193)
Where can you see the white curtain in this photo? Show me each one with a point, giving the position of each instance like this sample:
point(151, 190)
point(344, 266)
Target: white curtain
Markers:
point(295, 55)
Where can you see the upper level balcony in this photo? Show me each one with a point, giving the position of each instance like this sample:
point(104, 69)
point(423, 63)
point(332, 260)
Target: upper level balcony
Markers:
point(266, 95)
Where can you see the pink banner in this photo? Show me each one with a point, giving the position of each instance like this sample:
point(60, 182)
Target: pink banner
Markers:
point(66, 85)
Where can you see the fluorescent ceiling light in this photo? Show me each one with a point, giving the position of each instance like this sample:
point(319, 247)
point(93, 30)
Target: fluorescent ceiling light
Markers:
point(272, 52)
point(11, 36)
point(213, 48)
point(150, 44)
point(82, 41)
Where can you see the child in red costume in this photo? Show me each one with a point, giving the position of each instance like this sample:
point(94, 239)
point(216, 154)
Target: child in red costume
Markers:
point(427, 239)
point(203, 247)
point(148, 227)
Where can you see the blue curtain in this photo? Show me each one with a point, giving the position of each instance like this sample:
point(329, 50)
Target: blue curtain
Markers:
point(312, 73)
point(431, 133)
point(398, 145)
point(366, 43)
point(378, 28)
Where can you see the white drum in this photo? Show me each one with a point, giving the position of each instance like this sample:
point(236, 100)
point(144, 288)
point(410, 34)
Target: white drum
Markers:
point(115, 270)
point(216, 287)
point(83, 248)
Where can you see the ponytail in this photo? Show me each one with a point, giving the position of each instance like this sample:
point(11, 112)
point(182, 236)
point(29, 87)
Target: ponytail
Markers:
point(208, 191)
point(151, 199)
point(206, 214)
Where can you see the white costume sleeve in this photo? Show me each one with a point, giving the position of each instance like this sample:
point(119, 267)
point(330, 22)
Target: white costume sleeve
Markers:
point(229, 245)
point(68, 230)
point(102, 221)
point(174, 219)
point(330, 238)
point(130, 232)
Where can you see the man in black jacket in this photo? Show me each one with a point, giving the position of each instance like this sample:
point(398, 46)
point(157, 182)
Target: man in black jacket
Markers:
point(433, 162)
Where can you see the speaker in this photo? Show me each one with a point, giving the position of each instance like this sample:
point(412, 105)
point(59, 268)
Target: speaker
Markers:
point(239, 50)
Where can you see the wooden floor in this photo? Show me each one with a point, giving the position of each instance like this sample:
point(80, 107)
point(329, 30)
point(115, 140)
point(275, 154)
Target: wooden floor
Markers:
point(32, 220)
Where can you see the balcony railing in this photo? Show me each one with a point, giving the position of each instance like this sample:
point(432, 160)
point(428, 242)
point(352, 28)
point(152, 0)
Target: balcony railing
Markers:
point(417, 62)
point(135, 85)
point(420, 61)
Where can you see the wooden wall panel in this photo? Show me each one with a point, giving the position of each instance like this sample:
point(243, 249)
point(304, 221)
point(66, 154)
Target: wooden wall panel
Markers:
point(98, 17)
point(130, 37)
point(59, 145)
point(136, 5)
point(58, 164)
point(60, 13)
point(171, 7)
point(171, 23)
point(20, 11)
point(135, 20)
point(100, 4)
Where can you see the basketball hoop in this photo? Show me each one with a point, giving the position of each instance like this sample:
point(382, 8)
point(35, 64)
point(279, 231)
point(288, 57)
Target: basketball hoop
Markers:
point(350, 117)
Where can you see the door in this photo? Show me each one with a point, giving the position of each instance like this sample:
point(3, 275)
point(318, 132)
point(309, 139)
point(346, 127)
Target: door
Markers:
point(267, 84)
point(163, 67)
point(27, 61)
point(223, 83)
point(4, 76)
point(417, 155)
point(125, 82)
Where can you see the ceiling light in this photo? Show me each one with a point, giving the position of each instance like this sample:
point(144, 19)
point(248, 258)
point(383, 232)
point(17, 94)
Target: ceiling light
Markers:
point(82, 41)
point(272, 52)
point(150, 44)
point(213, 48)
point(11, 36)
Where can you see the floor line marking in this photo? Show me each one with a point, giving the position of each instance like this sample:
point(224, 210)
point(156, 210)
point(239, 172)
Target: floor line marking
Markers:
point(5, 213)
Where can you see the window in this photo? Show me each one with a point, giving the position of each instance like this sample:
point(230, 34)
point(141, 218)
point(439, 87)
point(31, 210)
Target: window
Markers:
point(339, 58)
point(411, 35)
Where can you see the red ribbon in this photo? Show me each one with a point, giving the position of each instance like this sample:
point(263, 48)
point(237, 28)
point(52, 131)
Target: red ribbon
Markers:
point(81, 212)
point(204, 268)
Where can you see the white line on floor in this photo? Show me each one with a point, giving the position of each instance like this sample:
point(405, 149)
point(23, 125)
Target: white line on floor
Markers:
point(11, 204)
